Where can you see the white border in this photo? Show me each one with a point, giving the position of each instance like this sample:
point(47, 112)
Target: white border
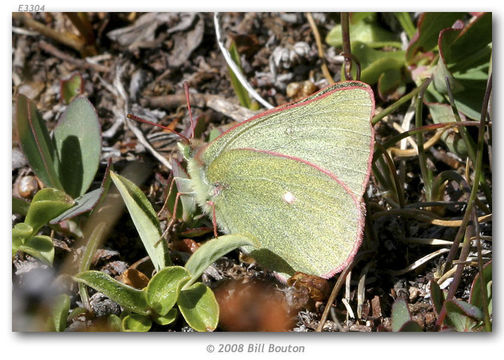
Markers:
point(146, 346)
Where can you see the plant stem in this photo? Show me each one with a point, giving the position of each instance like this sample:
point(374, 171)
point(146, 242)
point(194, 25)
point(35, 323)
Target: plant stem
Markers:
point(399, 102)
point(470, 202)
point(320, 49)
point(406, 23)
point(347, 49)
point(484, 300)
point(422, 158)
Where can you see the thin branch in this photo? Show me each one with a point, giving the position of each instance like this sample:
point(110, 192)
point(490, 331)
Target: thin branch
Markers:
point(320, 49)
point(42, 29)
point(51, 49)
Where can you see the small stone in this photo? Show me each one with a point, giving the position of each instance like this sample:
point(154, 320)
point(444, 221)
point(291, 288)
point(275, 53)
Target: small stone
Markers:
point(27, 186)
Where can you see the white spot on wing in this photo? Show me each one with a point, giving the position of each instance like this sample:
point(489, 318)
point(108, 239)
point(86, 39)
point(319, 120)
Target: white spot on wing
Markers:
point(289, 198)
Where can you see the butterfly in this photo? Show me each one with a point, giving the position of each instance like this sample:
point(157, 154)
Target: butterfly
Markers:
point(292, 179)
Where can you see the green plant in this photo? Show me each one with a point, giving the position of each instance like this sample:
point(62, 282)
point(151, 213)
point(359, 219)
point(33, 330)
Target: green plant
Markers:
point(66, 162)
point(401, 318)
point(378, 53)
point(173, 285)
point(71, 87)
point(463, 316)
point(46, 205)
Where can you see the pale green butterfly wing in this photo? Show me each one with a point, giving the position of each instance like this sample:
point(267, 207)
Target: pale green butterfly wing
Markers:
point(304, 218)
point(330, 129)
point(293, 178)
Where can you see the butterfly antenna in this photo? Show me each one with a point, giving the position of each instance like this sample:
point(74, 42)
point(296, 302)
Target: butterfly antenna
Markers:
point(188, 101)
point(139, 119)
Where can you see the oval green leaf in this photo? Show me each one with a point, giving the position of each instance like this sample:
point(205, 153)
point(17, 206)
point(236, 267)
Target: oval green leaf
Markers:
point(145, 219)
point(198, 306)
point(126, 296)
point(136, 323)
point(114, 322)
point(400, 314)
point(437, 296)
point(60, 312)
point(366, 30)
point(20, 233)
point(462, 315)
point(476, 297)
point(77, 139)
point(212, 250)
point(166, 319)
point(46, 205)
point(164, 288)
point(40, 247)
point(429, 26)
point(20, 206)
point(410, 326)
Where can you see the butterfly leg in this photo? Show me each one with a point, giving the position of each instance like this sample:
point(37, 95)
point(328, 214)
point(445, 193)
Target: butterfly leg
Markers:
point(175, 206)
point(214, 219)
point(168, 194)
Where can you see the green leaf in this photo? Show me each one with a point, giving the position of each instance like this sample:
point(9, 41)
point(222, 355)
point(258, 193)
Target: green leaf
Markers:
point(60, 312)
point(114, 322)
point(375, 62)
point(429, 26)
point(400, 314)
point(199, 307)
point(357, 17)
point(166, 319)
point(476, 298)
point(36, 143)
point(404, 19)
point(83, 204)
point(20, 206)
point(71, 87)
point(365, 31)
point(145, 219)
point(164, 288)
point(46, 205)
point(240, 91)
point(410, 326)
point(464, 57)
point(443, 113)
point(126, 296)
point(77, 139)
point(391, 85)
point(40, 247)
point(437, 296)
point(78, 311)
point(136, 323)
point(462, 315)
point(212, 250)
point(20, 233)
